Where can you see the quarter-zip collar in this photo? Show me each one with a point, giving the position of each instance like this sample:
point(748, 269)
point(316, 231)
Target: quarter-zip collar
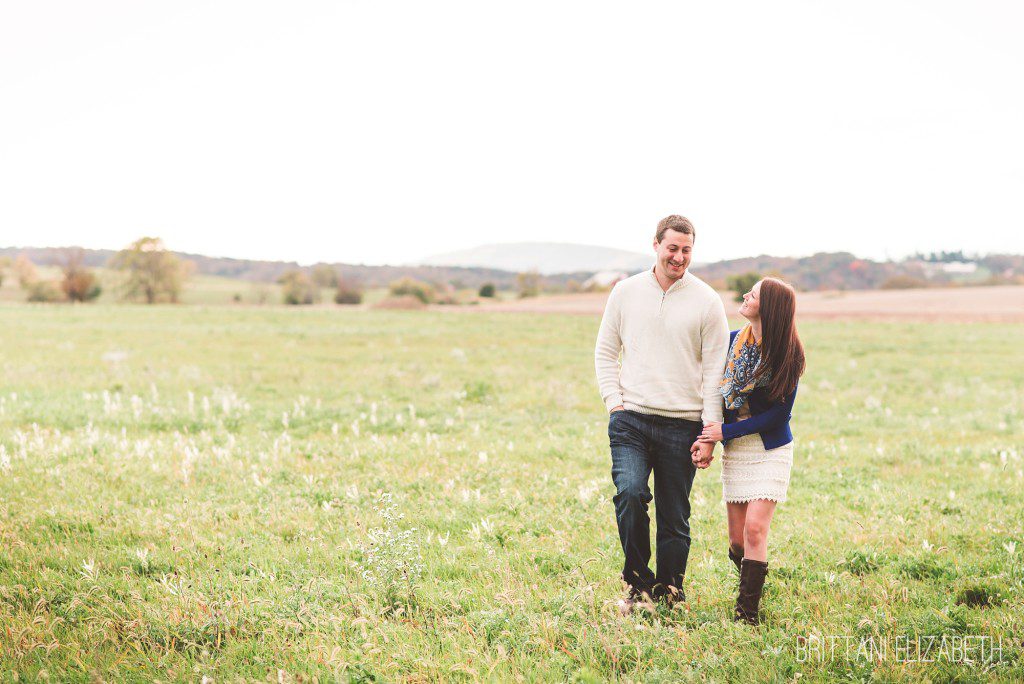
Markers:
point(681, 283)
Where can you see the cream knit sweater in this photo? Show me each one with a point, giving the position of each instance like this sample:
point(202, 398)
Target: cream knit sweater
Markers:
point(673, 345)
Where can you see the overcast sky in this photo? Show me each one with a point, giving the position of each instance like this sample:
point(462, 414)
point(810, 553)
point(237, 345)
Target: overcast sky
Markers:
point(383, 132)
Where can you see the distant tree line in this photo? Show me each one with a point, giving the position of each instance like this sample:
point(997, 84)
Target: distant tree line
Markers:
point(76, 282)
point(149, 272)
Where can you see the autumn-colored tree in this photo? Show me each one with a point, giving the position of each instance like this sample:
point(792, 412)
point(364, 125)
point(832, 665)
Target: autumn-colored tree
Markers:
point(528, 283)
point(348, 292)
point(79, 283)
point(25, 271)
point(410, 286)
point(298, 288)
point(154, 274)
point(5, 263)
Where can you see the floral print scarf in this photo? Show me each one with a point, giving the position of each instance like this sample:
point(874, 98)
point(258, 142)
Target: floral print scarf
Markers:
point(738, 382)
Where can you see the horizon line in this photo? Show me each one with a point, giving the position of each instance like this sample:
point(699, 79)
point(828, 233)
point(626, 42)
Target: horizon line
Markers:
point(969, 256)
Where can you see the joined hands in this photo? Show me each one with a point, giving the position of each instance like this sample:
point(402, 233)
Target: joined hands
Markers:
point(702, 451)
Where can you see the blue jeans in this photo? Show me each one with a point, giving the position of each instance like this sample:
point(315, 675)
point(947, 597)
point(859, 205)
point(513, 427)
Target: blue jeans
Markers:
point(642, 443)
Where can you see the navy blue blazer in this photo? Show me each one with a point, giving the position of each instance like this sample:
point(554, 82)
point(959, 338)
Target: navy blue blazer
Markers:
point(767, 418)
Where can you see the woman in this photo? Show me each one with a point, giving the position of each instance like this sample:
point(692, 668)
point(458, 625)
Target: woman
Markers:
point(766, 360)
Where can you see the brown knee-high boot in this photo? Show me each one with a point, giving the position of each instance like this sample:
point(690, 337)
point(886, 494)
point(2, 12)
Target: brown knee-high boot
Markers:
point(752, 574)
point(736, 555)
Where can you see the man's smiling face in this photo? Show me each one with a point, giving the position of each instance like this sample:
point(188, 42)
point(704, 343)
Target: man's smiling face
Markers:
point(674, 253)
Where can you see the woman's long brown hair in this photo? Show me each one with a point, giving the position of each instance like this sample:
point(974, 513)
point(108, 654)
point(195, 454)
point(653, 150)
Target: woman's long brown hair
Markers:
point(782, 353)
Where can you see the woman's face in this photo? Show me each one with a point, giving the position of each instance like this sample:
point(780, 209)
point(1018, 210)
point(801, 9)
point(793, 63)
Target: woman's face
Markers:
point(751, 303)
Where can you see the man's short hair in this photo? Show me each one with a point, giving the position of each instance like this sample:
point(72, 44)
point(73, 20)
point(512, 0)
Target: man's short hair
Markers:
point(675, 222)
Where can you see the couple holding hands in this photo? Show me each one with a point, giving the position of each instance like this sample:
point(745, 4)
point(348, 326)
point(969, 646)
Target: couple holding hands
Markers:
point(676, 382)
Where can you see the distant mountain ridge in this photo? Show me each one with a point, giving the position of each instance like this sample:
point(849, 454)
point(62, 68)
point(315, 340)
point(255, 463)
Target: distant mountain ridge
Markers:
point(547, 258)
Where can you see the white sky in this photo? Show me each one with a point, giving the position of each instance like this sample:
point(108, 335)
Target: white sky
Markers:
point(383, 132)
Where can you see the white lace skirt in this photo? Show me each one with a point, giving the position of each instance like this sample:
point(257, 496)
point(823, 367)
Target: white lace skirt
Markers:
point(749, 471)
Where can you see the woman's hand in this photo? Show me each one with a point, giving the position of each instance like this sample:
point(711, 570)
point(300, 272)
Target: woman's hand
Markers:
point(712, 432)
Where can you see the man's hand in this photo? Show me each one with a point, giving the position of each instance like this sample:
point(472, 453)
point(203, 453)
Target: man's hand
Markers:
point(702, 453)
point(620, 407)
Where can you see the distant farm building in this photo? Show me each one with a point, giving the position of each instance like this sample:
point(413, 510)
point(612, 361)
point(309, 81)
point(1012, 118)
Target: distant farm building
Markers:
point(950, 268)
point(604, 280)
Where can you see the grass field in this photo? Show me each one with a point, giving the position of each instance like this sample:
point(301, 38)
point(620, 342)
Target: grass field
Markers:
point(192, 493)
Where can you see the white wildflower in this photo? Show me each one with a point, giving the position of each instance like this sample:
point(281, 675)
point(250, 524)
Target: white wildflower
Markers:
point(392, 560)
point(89, 570)
point(172, 586)
point(188, 462)
point(587, 491)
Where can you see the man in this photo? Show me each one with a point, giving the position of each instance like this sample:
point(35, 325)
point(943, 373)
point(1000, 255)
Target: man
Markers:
point(671, 331)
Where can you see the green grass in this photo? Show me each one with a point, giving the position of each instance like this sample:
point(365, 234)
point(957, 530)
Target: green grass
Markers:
point(189, 492)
